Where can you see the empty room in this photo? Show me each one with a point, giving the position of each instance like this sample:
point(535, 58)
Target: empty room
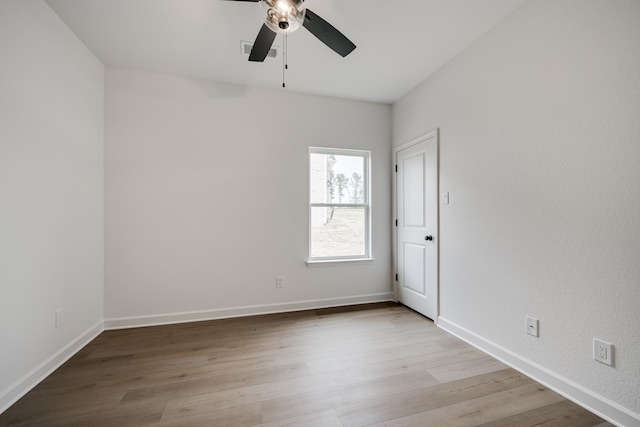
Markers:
point(320, 213)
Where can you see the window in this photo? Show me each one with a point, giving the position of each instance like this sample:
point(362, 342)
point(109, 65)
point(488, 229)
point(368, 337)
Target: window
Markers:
point(339, 205)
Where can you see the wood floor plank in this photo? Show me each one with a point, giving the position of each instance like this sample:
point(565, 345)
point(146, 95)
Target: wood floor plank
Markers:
point(401, 366)
point(28, 412)
point(301, 404)
point(177, 408)
point(416, 401)
point(137, 416)
point(238, 416)
point(343, 395)
point(472, 412)
point(319, 419)
point(452, 343)
point(213, 383)
point(376, 365)
point(127, 371)
point(465, 369)
point(563, 413)
point(328, 364)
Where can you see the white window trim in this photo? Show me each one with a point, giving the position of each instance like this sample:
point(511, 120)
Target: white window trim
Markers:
point(367, 258)
point(340, 262)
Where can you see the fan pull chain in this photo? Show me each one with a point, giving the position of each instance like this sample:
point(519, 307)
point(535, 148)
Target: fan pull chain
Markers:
point(285, 65)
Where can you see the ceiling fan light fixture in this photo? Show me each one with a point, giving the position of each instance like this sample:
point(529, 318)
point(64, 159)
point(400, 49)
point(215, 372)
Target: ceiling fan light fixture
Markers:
point(282, 6)
point(284, 15)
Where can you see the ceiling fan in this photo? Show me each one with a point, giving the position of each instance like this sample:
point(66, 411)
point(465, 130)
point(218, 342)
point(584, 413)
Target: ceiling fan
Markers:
point(285, 16)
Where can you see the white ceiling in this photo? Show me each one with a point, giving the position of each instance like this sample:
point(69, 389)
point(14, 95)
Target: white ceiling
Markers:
point(399, 42)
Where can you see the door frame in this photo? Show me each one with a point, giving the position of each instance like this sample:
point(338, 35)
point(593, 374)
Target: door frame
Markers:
point(394, 191)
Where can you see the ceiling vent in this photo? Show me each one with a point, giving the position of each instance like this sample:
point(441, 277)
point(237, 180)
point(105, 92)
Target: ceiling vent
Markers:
point(245, 49)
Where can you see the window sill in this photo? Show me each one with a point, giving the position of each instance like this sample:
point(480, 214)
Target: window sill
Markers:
point(339, 262)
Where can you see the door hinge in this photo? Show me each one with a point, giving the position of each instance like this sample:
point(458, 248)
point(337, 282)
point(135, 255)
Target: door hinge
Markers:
point(396, 277)
point(396, 168)
point(396, 222)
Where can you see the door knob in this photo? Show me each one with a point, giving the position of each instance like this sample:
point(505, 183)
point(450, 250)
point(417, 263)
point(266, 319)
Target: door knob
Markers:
point(429, 238)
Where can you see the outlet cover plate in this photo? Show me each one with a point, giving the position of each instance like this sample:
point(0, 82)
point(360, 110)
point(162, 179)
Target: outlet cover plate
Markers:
point(603, 352)
point(532, 326)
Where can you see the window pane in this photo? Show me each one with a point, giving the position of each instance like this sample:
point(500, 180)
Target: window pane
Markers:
point(337, 179)
point(337, 232)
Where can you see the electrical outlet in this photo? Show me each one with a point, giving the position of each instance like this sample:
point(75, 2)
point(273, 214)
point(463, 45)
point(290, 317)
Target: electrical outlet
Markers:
point(280, 282)
point(532, 326)
point(603, 352)
point(58, 318)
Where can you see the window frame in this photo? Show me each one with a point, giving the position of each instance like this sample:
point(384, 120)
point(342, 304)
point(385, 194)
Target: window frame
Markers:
point(366, 205)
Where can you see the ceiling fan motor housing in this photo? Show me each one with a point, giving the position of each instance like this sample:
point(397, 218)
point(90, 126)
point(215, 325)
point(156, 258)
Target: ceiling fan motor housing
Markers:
point(284, 15)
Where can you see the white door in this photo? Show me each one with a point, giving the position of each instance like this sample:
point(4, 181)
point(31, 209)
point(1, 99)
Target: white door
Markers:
point(417, 226)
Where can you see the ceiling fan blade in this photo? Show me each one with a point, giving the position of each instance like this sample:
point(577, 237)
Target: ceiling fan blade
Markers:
point(327, 34)
point(262, 45)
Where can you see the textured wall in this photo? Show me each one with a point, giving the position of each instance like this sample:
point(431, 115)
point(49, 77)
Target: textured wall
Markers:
point(207, 194)
point(540, 151)
point(51, 191)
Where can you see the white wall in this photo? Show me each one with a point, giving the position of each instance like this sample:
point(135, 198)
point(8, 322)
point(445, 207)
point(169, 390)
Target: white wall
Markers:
point(207, 198)
point(540, 151)
point(51, 194)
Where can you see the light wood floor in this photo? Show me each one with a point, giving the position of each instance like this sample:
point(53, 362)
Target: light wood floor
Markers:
point(372, 365)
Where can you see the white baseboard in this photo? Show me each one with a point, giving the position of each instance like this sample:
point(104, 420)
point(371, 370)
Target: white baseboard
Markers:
point(15, 391)
point(584, 397)
point(252, 310)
